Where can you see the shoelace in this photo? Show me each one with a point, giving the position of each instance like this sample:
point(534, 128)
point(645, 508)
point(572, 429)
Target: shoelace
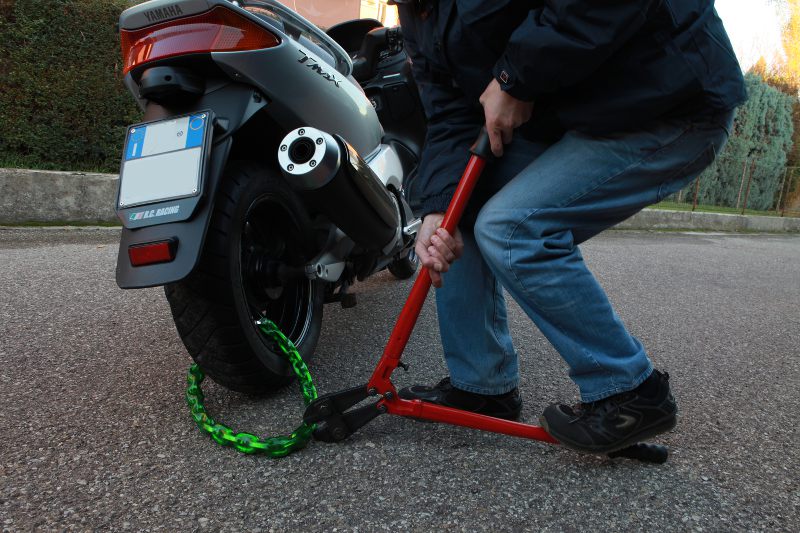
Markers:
point(601, 408)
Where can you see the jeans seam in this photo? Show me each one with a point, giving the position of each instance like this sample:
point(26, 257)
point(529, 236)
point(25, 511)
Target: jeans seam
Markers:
point(671, 145)
point(506, 355)
point(680, 138)
point(600, 367)
point(608, 374)
point(526, 292)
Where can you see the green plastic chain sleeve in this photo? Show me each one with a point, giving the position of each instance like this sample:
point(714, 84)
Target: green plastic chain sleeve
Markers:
point(248, 443)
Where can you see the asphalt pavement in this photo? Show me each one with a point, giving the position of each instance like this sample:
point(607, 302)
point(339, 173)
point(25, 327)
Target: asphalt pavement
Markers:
point(96, 435)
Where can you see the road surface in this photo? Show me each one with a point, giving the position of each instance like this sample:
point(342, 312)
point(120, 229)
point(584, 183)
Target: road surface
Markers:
point(96, 433)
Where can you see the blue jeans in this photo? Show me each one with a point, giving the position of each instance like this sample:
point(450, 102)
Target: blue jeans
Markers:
point(543, 201)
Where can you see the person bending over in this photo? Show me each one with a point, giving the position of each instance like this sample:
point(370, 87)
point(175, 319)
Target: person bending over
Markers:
point(595, 109)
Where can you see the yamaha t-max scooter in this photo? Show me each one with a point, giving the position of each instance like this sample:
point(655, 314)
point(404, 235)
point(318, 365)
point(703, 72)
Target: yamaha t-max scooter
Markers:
point(267, 174)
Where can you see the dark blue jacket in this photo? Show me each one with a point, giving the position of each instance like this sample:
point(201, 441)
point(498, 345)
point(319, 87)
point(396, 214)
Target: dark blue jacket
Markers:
point(595, 66)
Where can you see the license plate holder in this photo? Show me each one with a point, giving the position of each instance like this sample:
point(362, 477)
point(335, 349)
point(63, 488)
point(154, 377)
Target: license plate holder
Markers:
point(164, 161)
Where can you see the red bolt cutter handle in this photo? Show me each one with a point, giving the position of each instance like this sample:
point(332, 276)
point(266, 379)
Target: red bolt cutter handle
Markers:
point(380, 381)
point(408, 316)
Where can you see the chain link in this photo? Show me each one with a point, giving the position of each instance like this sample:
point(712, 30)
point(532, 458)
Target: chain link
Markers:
point(248, 443)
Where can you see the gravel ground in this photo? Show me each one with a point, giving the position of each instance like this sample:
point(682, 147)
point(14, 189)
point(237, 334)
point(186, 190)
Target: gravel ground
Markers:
point(96, 434)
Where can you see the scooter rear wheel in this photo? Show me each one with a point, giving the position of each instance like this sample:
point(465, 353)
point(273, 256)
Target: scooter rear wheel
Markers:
point(258, 225)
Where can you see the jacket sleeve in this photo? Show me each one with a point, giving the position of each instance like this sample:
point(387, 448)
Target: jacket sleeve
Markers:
point(453, 123)
point(565, 41)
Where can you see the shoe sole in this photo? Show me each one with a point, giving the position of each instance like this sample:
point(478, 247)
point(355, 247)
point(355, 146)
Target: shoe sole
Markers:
point(645, 433)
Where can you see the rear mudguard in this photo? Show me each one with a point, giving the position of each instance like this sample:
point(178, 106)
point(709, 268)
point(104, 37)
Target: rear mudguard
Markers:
point(189, 234)
point(232, 105)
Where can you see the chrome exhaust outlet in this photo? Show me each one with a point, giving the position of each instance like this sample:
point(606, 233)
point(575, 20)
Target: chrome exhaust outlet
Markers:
point(333, 179)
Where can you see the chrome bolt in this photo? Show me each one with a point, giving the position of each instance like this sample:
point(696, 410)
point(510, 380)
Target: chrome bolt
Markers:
point(319, 141)
point(284, 148)
point(312, 163)
point(301, 132)
point(290, 167)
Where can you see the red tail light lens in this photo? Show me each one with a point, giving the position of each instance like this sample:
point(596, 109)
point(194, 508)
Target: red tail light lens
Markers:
point(217, 30)
point(152, 252)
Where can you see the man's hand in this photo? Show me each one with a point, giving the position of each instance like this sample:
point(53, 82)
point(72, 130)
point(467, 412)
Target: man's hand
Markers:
point(436, 248)
point(504, 114)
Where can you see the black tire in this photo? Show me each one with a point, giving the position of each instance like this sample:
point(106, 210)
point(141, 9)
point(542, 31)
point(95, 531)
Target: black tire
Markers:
point(405, 266)
point(215, 308)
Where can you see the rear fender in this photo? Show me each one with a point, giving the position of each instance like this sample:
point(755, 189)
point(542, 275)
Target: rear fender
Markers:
point(233, 105)
point(189, 234)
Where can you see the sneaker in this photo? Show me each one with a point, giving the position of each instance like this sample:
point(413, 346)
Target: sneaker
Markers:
point(616, 422)
point(508, 405)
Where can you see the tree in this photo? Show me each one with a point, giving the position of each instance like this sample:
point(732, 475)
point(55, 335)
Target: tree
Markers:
point(762, 132)
point(786, 77)
point(790, 67)
point(785, 74)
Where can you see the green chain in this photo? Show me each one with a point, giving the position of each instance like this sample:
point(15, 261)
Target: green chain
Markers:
point(280, 446)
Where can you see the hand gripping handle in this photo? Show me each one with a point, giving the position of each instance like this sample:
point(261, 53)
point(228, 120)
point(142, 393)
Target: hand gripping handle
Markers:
point(482, 146)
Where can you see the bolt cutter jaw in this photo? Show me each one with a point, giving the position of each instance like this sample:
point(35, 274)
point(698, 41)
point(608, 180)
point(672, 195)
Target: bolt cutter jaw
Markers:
point(333, 415)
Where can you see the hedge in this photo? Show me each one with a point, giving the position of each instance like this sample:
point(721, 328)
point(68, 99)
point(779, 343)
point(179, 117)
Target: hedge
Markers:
point(62, 102)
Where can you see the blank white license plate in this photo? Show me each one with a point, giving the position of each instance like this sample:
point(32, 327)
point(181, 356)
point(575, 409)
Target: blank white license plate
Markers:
point(163, 160)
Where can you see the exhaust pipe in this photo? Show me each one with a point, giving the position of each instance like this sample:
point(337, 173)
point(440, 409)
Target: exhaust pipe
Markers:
point(333, 179)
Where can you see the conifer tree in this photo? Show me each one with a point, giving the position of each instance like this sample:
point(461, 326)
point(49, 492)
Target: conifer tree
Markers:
point(762, 133)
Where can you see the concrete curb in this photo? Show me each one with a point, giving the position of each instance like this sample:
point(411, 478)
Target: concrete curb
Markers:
point(655, 219)
point(41, 196)
point(56, 197)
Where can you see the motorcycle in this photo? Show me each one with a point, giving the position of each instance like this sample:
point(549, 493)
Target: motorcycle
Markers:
point(267, 175)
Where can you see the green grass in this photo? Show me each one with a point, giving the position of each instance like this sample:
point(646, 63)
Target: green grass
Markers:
point(680, 206)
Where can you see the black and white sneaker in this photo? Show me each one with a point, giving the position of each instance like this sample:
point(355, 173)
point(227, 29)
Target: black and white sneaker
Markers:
point(508, 405)
point(616, 422)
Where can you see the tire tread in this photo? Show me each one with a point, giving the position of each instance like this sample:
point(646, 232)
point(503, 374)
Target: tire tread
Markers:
point(203, 305)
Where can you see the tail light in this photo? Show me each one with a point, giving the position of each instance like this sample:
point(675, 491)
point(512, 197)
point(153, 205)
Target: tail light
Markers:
point(217, 30)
